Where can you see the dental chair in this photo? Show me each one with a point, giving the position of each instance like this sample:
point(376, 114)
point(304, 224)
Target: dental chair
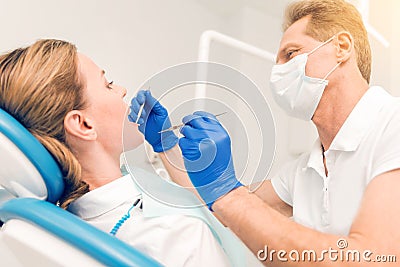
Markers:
point(36, 232)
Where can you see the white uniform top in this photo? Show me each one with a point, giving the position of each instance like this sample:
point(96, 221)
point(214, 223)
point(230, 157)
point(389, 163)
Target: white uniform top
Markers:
point(367, 145)
point(172, 240)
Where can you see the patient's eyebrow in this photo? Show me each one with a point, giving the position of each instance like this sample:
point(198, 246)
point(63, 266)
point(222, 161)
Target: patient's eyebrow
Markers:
point(103, 72)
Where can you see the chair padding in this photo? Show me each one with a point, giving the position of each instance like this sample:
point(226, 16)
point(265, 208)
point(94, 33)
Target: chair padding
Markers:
point(107, 249)
point(28, 169)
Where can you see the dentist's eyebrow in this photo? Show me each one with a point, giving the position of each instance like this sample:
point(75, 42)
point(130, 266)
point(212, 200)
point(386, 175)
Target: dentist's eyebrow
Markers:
point(286, 47)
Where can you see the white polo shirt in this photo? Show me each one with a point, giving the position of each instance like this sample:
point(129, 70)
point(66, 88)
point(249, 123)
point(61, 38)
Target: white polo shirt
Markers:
point(367, 145)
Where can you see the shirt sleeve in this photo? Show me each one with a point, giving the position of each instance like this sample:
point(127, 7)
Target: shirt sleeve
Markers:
point(283, 181)
point(387, 152)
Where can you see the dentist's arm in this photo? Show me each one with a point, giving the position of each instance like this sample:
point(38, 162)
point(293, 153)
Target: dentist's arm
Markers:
point(267, 193)
point(173, 163)
point(375, 227)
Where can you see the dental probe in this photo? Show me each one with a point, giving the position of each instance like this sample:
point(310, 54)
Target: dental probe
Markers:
point(139, 113)
point(182, 124)
point(141, 109)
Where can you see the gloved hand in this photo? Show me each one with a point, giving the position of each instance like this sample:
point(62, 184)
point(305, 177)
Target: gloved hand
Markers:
point(153, 119)
point(206, 149)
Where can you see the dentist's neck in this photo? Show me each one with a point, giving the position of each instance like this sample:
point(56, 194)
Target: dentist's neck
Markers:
point(337, 102)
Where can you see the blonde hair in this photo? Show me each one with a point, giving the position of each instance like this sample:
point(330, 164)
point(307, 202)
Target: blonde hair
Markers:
point(39, 85)
point(328, 17)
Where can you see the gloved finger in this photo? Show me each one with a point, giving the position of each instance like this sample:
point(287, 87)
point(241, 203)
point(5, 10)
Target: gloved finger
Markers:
point(141, 97)
point(193, 133)
point(150, 100)
point(198, 154)
point(136, 102)
point(144, 114)
point(189, 148)
point(135, 106)
point(199, 122)
point(132, 117)
point(189, 119)
point(159, 109)
point(187, 145)
point(154, 105)
point(134, 113)
point(209, 117)
point(143, 117)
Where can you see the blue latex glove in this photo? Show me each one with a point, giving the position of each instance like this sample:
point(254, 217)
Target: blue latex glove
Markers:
point(206, 149)
point(153, 119)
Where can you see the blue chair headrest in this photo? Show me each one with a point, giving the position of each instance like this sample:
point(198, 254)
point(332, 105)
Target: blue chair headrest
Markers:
point(27, 169)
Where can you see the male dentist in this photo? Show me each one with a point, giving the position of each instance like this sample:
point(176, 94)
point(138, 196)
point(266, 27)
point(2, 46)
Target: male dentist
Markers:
point(343, 196)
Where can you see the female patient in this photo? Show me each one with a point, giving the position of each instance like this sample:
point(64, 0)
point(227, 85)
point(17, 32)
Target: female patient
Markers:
point(66, 102)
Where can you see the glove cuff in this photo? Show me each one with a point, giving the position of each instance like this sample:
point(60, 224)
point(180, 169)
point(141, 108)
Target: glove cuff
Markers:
point(226, 190)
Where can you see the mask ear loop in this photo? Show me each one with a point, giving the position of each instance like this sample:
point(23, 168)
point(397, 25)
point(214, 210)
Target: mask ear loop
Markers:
point(332, 70)
point(324, 43)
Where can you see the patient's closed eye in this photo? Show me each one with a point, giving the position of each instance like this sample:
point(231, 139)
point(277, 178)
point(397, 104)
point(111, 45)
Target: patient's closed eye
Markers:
point(109, 84)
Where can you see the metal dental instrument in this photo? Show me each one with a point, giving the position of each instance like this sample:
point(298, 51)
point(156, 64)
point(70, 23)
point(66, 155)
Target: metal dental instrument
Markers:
point(141, 109)
point(172, 128)
point(139, 113)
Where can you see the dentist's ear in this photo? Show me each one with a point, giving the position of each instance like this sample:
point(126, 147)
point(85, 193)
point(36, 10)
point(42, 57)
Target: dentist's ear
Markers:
point(76, 124)
point(344, 43)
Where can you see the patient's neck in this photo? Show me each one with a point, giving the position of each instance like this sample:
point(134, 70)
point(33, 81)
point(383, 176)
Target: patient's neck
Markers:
point(98, 166)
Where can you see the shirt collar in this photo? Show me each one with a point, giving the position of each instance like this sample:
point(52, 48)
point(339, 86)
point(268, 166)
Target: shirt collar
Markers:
point(360, 119)
point(354, 128)
point(315, 160)
point(105, 198)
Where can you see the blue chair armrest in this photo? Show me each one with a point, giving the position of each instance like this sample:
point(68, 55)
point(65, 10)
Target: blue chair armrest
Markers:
point(105, 248)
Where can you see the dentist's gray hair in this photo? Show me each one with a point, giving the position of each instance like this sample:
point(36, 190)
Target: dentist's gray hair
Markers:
point(328, 17)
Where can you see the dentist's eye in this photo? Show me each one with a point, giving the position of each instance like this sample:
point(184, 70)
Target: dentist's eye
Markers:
point(290, 54)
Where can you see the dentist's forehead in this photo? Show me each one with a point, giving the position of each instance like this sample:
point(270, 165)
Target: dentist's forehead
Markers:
point(295, 33)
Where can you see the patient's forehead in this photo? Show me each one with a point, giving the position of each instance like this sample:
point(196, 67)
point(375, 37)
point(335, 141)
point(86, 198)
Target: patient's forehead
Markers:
point(87, 67)
point(91, 75)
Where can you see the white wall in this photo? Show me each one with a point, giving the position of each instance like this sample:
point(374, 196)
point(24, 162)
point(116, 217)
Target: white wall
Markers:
point(257, 24)
point(132, 40)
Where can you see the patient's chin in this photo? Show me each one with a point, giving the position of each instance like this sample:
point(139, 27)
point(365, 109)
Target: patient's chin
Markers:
point(132, 137)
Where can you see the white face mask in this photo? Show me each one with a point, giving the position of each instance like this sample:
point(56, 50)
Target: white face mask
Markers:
point(296, 93)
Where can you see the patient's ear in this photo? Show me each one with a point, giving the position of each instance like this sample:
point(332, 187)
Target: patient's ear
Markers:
point(79, 126)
